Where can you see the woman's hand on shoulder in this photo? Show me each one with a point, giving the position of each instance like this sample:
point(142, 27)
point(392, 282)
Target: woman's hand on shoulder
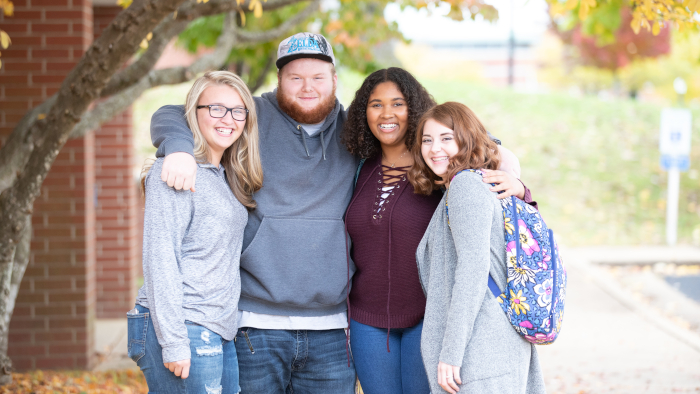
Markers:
point(506, 182)
point(179, 171)
point(448, 377)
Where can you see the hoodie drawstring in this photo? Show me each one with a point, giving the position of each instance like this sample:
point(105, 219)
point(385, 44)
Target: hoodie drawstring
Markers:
point(388, 300)
point(323, 147)
point(303, 140)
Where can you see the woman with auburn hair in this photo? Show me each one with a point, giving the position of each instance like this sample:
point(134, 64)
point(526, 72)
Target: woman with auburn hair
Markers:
point(385, 220)
point(468, 344)
point(182, 328)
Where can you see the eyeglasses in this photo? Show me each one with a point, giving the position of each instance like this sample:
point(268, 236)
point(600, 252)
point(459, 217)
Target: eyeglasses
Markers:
point(219, 111)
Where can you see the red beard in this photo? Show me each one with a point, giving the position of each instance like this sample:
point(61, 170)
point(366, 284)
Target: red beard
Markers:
point(306, 116)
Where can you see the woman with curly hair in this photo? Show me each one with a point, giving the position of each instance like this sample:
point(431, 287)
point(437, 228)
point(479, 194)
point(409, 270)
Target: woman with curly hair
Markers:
point(386, 220)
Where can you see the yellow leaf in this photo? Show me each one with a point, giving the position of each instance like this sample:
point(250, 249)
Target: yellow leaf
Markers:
point(656, 29)
point(4, 40)
point(636, 25)
point(571, 4)
point(694, 6)
point(258, 10)
point(9, 9)
point(124, 3)
point(239, 2)
point(242, 14)
point(175, 14)
point(41, 116)
point(252, 4)
point(0, 63)
point(149, 36)
point(144, 44)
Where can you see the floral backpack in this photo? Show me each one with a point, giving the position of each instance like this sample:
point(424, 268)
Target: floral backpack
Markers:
point(535, 292)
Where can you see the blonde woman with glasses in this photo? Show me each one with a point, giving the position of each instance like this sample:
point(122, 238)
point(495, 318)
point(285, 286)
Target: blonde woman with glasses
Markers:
point(182, 328)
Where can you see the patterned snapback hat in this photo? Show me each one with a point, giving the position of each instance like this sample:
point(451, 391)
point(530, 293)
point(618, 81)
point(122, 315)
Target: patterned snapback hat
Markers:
point(304, 45)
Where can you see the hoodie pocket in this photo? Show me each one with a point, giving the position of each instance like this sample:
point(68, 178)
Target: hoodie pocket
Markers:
point(296, 261)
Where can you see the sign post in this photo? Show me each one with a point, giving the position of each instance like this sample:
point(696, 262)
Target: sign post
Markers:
point(674, 145)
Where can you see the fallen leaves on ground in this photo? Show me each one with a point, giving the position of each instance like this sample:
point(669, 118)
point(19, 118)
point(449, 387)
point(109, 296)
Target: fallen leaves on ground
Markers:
point(77, 382)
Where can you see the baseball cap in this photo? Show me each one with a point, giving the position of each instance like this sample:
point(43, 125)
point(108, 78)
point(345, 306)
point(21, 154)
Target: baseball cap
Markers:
point(304, 45)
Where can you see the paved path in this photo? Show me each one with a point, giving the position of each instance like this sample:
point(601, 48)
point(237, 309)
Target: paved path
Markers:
point(610, 342)
point(610, 345)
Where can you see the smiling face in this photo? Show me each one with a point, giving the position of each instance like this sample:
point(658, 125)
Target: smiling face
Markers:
point(387, 114)
point(306, 89)
point(220, 133)
point(438, 145)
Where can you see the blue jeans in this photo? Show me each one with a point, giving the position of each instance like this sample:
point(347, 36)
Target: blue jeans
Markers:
point(213, 370)
point(400, 371)
point(294, 361)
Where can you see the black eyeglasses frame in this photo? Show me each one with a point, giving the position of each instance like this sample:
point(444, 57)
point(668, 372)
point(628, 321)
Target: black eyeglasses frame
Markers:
point(226, 113)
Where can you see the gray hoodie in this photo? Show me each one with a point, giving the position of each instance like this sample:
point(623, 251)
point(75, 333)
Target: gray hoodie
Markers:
point(294, 260)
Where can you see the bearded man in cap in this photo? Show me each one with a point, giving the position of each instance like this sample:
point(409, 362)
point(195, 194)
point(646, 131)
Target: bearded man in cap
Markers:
point(295, 270)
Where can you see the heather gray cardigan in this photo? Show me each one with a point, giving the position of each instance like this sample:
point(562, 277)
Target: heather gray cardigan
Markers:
point(464, 325)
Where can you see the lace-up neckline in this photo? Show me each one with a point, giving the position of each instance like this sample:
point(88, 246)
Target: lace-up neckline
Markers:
point(391, 180)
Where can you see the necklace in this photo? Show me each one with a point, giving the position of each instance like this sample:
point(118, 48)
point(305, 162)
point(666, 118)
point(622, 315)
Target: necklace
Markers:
point(399, 158)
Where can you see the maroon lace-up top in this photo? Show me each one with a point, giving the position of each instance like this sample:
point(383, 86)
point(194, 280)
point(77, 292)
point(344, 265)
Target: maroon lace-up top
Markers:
point(385, 226)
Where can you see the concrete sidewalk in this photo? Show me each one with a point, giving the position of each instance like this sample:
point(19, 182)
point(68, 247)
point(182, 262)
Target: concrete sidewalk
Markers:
point(610, 342)
point(111, 345)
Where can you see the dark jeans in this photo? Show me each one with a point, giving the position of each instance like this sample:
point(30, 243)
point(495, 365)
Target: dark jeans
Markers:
point(294, 361)
point(213, 366)
point(400, 371)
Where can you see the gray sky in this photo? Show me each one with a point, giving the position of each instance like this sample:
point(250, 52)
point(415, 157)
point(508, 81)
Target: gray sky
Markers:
point(531, 21)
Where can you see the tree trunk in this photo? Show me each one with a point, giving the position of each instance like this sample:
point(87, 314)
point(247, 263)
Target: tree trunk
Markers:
point(10, 288)
point(83, 85)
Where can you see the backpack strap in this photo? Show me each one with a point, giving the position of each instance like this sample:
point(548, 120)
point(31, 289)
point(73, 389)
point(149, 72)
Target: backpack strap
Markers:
point(491, 283)
point(359, 167)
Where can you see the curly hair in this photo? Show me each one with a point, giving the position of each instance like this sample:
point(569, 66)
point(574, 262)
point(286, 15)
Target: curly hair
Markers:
point(476, 149)
point(357, 136)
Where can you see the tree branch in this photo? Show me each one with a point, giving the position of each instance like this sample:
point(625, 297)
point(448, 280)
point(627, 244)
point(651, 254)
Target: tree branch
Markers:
point(228, 39)
point(15, 153)
point(109, 108)
point(260, 80)
point(175, 24)
point(251, 37)
point(191, 11)
point(162, 35)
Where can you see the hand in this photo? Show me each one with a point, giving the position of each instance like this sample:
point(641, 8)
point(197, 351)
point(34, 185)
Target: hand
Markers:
point(448, 377)
point(179, 368)
point(179, 171)
point(510, 185)
point(509, 162)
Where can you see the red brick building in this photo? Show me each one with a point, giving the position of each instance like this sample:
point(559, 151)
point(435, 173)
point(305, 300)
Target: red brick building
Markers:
point(85, 247)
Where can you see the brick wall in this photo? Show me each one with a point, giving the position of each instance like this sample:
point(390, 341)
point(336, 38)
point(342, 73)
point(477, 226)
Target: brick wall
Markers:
point(117, 246)
point(52, 325)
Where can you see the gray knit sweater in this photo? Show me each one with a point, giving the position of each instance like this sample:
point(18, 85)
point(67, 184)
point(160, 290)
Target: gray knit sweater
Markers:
point(191, 252)
point(464, 325)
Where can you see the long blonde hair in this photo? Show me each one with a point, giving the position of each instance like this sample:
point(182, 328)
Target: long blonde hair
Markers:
point(242, 159)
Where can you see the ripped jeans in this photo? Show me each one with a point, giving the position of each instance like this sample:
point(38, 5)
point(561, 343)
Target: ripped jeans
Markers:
point(213, 366)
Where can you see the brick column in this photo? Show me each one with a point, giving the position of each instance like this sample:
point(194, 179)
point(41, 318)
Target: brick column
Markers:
point(117, 247)
point(52, 326)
